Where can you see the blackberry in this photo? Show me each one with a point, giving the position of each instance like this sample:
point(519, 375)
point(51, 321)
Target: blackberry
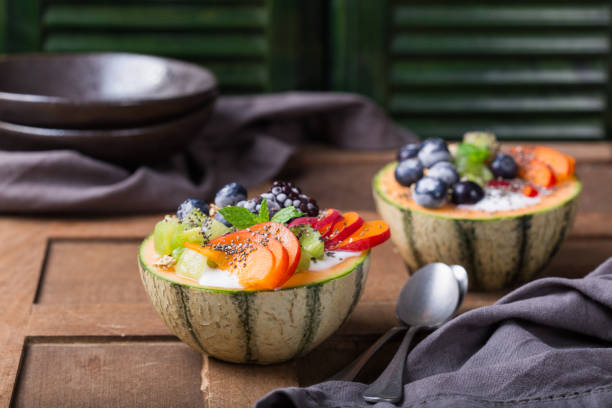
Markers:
point(285, 193)
point(254, 205)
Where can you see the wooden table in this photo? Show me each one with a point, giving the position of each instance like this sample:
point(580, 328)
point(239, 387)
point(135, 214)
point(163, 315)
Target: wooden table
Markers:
point(76, 328)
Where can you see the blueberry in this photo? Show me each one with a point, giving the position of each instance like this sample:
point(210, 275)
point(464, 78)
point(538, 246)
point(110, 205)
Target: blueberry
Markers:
point(188, 205)
point(430, 192)
point(230, 194)
point(433, 151)
point(467, 192)
point(444, 171)
point(219, 217)
point(408, 171)
point(504, 166)
point(408, 151)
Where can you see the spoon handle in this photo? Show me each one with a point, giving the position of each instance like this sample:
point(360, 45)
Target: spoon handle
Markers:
point(389, 386)
point(349, 372)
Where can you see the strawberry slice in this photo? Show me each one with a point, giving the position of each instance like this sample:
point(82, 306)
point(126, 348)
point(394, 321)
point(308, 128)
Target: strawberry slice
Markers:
point(304, 221)
point(369, 235)
point(327, 220)
point(343, 228)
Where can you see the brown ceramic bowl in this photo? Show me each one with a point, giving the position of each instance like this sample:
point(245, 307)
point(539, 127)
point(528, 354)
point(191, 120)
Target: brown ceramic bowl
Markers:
point(126, 146)
point(98, 90)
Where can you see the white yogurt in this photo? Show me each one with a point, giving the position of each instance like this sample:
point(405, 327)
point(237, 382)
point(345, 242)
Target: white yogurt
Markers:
point(220, 278)
point(501, 200)
point(330, 258)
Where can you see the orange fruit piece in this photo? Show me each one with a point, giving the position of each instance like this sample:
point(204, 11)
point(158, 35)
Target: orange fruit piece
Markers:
point(287, 238)
point(369, 235)
point(249, 255)
point(531, 168)
point(343, 228)
point(561, 164)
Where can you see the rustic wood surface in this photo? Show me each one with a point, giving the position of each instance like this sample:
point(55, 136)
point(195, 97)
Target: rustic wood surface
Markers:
point(76, 328)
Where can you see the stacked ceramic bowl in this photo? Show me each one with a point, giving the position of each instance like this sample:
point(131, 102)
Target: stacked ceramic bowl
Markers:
point(123, 108)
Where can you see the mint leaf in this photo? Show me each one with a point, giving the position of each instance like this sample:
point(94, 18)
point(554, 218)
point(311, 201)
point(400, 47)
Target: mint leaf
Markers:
point(474, 154)
point(264, 215)
point(239, 217)
point(286, 214)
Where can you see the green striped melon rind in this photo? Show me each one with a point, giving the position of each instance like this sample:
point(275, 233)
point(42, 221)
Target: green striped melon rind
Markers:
point(261, 327)
point(497, 252)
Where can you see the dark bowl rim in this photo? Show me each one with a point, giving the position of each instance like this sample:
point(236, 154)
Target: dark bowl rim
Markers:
point(210, 91)
point(197, 114)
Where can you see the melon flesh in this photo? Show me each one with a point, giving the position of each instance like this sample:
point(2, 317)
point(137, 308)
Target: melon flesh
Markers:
point(260, 327)
point(497, 249)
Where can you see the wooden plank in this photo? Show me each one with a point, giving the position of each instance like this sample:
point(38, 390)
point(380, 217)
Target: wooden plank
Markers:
point(315, 155)
point(555, 15)
point(450, 73)
point(234, 385)
point(110, 374)
point(91, 272)
point(513, 127)
point(154, 16)
point(449, 103)
point(358, 47)
point(118, 320)
point(23, 30)
point(23, 251)
point(186, 45)
point(283, 38)
point(499, 44)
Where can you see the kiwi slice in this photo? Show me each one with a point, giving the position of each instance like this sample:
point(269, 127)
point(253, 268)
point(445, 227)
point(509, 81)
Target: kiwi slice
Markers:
point(310, 240)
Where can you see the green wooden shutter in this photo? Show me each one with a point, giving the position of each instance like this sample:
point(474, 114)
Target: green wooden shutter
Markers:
point(519, 68)
point(246, 43)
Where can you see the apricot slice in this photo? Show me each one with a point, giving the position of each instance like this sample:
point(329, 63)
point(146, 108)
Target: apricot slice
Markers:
point(288, 240)
point(532, 169)
point(561, 164)
point(350, 223)
point(370, 234)
point(250, 256)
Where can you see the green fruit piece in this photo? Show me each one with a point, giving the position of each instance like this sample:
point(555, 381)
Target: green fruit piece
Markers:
point(177, 252)
point(194, 219)
point(164, 232)
point(191, 235)
point(472, 153)
point(310, 240)
point(191, 264)
point(486, 140)
point(212, 229)
point(304, 262)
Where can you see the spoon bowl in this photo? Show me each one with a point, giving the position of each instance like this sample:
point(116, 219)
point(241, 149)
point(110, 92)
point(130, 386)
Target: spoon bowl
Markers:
point(428, 299)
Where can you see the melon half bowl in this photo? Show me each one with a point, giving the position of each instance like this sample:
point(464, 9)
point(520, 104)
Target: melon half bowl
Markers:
point(498, 249)
point(261, 327)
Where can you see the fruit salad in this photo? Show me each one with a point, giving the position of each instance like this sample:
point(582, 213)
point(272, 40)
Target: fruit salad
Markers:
point(478, 174)
point(262, 243)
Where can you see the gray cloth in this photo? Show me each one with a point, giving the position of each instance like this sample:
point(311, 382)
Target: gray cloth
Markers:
point(248, 139)
point(547, 344)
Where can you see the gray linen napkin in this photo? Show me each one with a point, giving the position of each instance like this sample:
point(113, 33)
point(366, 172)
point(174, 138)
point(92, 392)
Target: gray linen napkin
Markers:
point(248, 139)
point(546, 344)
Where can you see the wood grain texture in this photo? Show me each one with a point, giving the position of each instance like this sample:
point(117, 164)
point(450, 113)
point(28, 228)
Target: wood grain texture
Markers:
point(76, 321)
point(235, 385)
point(115, 374)
point(91, 271)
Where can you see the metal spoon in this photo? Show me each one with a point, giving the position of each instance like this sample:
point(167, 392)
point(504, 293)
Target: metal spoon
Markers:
point(428, 299)
point(349, 372)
